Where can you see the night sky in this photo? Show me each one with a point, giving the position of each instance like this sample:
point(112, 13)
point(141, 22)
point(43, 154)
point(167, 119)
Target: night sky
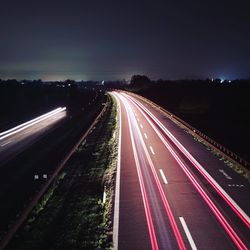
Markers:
point(114, 39)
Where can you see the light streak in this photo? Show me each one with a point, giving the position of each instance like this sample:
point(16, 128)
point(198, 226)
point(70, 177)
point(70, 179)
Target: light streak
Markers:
point(151, 229)
point(30, 123)
point(160, 189)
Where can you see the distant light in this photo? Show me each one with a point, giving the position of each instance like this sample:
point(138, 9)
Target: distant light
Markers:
point(229, 81)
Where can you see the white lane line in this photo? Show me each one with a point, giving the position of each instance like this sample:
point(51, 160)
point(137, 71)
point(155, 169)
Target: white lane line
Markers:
point(145, 135)
point(163, 177)
point(30, 123)
point(33, 120)
point(152, 151)
point(141, 126)
point(138, 119)
point(188, 234)
point(6, 143)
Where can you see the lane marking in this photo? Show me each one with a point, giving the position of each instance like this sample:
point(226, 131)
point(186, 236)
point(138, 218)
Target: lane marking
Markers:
point(225, 174)
point(6, 143)
point(152, 150)
point(163, 176)
point(188, 234)
point(235, 185)
point(138, 119)
point(145, 135)
point(141, 126)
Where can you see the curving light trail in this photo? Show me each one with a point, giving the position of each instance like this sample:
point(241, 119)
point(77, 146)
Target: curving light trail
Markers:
point(30, 123)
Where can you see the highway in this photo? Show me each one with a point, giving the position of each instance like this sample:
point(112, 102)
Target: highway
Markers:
point(171, 191)
point(15, 140)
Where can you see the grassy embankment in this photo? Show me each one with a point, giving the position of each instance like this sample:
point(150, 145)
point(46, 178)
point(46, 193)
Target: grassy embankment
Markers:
point(71, 214)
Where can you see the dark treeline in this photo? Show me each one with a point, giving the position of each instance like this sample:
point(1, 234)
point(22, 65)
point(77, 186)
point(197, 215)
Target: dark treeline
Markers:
point(21, 101)
point(218, 108)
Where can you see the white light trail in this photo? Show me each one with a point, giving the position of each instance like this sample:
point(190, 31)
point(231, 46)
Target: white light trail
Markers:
point(25, 125)
point(33, 120)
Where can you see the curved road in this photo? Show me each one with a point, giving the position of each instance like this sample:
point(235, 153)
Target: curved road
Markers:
point(171, 192)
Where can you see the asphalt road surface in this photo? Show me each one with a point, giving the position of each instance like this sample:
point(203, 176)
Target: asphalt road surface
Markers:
point(17, 139)
point(171, 191)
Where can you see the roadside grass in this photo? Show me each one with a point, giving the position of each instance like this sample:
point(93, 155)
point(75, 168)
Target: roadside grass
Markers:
point(71, 214)
point(234, 166)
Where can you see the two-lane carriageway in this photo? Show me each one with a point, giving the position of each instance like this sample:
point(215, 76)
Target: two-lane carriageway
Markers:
point(160, 203)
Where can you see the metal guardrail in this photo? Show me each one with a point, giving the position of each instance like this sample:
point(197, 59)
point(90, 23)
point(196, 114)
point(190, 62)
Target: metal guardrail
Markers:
point(222, 149)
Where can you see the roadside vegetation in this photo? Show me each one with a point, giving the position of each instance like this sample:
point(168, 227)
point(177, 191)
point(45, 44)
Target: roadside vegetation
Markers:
point(73, 214)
